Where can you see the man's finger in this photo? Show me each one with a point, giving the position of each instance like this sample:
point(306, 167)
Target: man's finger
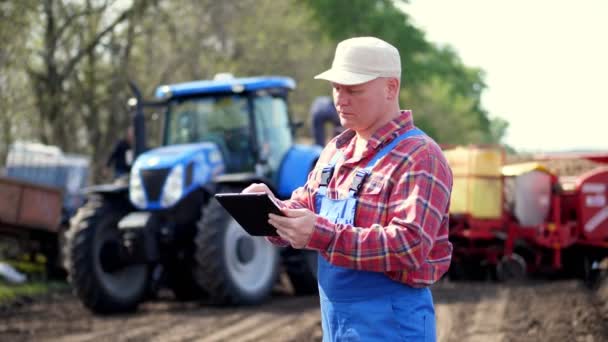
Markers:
point(280, 220)
point(283, 235)
point(286, 234)
point(295, 212)
point(255, 187)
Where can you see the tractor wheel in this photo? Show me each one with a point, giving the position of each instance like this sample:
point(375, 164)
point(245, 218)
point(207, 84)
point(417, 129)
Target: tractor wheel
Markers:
point(301, 267)
point(511, 268)
point(99, 278)
point(594, 274)
point(457, 270)
point(232, 266)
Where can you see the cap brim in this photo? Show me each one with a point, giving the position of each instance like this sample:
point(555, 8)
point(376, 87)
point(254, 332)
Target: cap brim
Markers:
point(344, 77)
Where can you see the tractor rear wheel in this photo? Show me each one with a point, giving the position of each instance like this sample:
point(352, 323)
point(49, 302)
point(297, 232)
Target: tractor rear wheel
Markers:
point(100, 279)
point(232, 266)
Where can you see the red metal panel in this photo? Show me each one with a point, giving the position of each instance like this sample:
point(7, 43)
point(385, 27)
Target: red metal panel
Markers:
point(598, 157)
point(593, 204)
point(40, 208)
point(10, 195)
point(30, 205)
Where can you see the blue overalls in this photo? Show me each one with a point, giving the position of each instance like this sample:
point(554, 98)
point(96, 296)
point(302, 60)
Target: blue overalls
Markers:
point(361, 305)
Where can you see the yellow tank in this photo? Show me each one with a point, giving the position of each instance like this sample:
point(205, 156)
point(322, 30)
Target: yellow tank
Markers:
point(477, 188)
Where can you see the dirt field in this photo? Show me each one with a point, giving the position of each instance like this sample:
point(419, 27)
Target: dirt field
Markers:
point(535, 311)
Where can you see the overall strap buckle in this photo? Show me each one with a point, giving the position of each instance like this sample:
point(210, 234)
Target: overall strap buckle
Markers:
point(326, 175)
point(328, 171)
point(358, 181)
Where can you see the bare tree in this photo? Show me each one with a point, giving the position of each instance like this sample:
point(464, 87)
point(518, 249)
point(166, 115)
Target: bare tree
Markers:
point(59, 58)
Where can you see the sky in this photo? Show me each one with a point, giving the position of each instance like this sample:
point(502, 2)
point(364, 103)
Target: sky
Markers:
point(545, 63)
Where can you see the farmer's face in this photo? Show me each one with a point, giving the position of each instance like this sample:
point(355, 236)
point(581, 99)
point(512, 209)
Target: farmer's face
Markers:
point(361, 106)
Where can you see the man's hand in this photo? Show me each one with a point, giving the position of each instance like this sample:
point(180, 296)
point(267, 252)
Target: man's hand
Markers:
point(259, 187)
point(296, 227)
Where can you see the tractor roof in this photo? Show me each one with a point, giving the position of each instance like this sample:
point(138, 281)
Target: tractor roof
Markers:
point(225, 85)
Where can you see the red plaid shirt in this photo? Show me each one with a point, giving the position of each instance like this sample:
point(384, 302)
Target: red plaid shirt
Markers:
point(401, 222)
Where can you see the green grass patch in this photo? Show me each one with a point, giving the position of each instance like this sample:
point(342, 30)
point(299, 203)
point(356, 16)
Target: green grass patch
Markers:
point(10, 292)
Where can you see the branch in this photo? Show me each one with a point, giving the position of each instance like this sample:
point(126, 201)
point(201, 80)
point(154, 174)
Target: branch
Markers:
point(68, 21)
point(91, 46)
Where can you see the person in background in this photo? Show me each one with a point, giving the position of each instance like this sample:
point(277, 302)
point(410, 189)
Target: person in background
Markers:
point(375, 206)
point(121, 157)
point(323, 111)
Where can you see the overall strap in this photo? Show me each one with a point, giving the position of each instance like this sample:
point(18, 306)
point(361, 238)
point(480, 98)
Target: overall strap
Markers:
point(363, 173)
point(328, 171)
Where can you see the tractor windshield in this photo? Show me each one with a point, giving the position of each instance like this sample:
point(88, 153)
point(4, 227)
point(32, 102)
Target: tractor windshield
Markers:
point(223, 120)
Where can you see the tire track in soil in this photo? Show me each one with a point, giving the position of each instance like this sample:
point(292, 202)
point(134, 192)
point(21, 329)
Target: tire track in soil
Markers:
point(120, 329)
point(279, 328)
point(443, 314)
point(488, 319)
point(534, 311)
point(193, 326)
point(267, 325)
point(465, 311)
point(557, 311)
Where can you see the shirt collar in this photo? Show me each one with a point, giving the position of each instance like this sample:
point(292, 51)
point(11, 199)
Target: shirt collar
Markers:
point(400, 124)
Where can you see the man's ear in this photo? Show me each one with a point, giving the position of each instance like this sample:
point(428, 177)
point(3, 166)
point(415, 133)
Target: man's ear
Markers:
point(392, 88)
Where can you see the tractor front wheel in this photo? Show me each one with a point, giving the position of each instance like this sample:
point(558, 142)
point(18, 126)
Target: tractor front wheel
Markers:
point(102, 281)
point(232, 266)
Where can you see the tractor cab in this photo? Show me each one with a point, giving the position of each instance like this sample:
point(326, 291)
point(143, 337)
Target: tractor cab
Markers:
point(246, 118)
point(227, 128)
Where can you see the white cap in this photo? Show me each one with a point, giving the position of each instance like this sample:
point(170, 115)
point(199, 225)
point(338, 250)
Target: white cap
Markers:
point(362, 59)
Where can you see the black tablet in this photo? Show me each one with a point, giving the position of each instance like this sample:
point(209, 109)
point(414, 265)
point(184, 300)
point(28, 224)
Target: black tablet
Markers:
point(251, 211)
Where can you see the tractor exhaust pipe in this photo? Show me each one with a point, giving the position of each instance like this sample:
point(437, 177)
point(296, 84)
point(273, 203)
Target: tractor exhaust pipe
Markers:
point(139, 121)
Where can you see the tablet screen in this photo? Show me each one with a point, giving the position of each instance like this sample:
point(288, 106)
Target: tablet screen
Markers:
point(251, 211)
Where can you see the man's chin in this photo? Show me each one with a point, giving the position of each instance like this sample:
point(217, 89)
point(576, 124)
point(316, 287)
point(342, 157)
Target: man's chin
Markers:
point(352, 125)
point(346, 123)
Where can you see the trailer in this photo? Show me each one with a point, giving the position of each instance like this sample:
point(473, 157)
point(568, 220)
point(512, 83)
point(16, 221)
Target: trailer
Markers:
point(30, 217)
point(512, 220)
point(40, 190)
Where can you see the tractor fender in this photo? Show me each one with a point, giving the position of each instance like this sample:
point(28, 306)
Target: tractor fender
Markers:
point(295, 167)
point(107, 189)
point(117, 192)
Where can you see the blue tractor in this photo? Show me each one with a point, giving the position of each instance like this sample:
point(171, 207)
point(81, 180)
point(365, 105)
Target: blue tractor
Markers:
point(162, 224)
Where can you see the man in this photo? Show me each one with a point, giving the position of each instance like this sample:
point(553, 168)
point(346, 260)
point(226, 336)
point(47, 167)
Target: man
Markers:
point(122, 154)
point(375, 206)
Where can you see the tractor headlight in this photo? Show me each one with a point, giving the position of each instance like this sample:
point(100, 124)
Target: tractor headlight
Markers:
point(136, 189)
point(174, 187)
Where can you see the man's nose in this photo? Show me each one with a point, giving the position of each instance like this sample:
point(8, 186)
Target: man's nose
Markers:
point(340, 98)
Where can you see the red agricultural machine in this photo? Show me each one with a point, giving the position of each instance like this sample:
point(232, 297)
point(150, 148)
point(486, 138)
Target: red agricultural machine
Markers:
point(511, 220)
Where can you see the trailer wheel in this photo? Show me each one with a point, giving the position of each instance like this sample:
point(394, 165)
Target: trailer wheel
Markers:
point(511, 268)
point(301, 268)
point(102, 283)
point(232, 266)
point(594, 273)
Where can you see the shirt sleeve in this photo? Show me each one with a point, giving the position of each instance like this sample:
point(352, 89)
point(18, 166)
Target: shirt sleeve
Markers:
point(417, 205)
point(301, 197)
